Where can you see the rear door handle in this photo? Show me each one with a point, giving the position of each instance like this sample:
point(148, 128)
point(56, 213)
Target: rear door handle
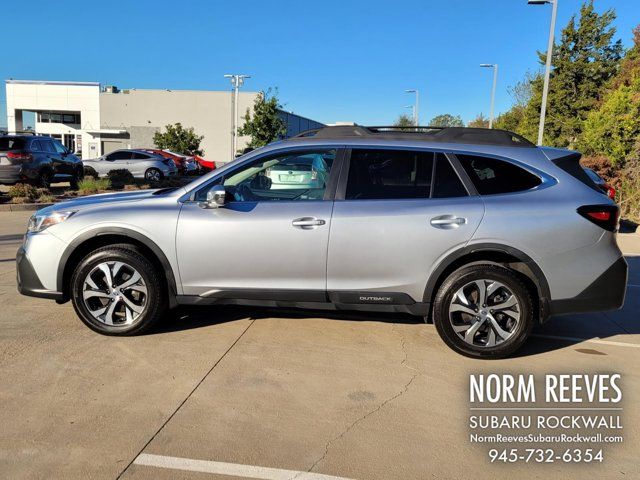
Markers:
point(447, 222)
point(307, 223)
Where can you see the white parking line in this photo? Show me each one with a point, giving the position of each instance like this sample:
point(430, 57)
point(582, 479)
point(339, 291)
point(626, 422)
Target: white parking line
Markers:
point(591, 340)
point(223, 468)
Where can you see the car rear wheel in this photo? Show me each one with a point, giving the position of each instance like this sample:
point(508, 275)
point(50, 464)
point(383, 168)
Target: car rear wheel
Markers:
point(483, 311)
point(153, 175)
point(117, 291)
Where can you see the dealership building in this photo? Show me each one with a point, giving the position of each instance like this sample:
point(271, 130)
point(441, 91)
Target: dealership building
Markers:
point(93, 120)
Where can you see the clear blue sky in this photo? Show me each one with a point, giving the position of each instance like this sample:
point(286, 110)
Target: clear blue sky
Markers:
point(346, 60)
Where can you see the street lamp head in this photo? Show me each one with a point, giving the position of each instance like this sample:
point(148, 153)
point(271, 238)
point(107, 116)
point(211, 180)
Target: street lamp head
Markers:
point(411, 91)
point(487, 65)
point(539, 2)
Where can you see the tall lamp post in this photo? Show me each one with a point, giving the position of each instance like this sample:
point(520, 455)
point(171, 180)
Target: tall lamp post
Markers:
point(236, 82)
point(493, 89)
point(547, 68)
point(413, 112)
point(416, 109)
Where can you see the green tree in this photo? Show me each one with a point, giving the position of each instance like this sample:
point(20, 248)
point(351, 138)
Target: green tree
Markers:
point(266, 125)
point(613, 129)
point(584, 60)
point(479, 122)
point(404, 121)
point(446, 120)
point(178, 139)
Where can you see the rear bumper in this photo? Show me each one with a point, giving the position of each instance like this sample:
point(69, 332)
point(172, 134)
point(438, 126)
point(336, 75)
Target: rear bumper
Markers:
point(607, 292)
point(10, 174)
point(28, 281)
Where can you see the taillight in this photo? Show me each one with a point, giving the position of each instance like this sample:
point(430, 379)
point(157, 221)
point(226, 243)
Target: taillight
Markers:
point(22, 156)
point(611, 192)
point(605, 216)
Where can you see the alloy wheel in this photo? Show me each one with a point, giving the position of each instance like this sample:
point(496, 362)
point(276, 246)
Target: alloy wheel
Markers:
point(114, 293)
point(484, 313)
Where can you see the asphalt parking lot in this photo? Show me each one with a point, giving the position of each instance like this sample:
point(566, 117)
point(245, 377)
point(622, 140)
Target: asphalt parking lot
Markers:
point(345, 395)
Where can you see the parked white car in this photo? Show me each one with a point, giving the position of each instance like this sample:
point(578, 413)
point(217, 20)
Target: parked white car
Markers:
point(141, 164)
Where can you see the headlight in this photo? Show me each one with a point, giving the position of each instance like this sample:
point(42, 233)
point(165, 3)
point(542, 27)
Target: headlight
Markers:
point(38, 223)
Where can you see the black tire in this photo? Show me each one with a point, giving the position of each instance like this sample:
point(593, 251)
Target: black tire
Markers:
point(153, 175)
point(460, 279)
point(155, 304)
point(44, 179)
point(78, 175)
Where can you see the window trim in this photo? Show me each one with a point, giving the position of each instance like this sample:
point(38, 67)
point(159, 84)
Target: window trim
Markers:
point(341, 190)
point(330, 190)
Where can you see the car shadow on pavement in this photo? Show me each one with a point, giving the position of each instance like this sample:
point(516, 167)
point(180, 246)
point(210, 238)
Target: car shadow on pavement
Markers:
point(559, 332)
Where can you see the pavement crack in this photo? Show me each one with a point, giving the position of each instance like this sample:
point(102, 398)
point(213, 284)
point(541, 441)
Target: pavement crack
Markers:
point(164, 424)
point(361, 419)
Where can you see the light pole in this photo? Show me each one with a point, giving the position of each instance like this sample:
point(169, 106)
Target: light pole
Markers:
point(547, 67)
point(236, 82)
point(493, 89)
point(416, 109)
point(413, 112)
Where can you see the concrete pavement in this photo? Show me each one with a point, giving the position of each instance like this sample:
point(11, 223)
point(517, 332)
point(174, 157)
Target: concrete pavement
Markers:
point(348, 395)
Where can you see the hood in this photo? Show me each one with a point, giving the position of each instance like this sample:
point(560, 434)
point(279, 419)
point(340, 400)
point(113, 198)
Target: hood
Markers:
point(100, 199)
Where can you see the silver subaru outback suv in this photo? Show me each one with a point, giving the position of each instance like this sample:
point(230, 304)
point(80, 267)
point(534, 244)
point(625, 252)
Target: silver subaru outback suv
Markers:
point(478, 230)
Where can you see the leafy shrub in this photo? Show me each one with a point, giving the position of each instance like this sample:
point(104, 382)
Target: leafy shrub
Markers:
point(23, 190)
point(121, 177)
point(88, 186)
point(90, 172)
point(46, 198)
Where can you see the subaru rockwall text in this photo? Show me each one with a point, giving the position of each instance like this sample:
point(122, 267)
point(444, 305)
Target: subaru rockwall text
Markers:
point(479, 230)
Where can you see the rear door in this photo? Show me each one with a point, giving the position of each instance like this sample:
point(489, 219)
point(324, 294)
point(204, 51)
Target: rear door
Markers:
point(397, 213)
point(138, 163)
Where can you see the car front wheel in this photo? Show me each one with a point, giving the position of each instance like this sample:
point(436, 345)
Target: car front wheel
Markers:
point(117, 291)
point(483, 311)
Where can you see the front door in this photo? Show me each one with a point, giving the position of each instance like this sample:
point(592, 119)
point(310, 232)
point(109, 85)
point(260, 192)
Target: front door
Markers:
point(400, 212)
point(270, 239)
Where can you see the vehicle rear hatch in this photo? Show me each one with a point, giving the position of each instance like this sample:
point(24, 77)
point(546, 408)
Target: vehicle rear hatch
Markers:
point(11, 151)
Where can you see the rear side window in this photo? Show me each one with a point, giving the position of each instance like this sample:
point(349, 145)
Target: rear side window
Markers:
point(140, 156)
point(35, 146)
point(11, 143)
point(389, 174)
point(447, 183)
point(491, 176)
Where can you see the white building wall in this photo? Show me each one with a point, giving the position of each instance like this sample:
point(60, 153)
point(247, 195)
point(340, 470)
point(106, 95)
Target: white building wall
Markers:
point(75, 97)
point(210, 113)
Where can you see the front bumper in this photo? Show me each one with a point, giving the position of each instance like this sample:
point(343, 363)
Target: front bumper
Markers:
point(607, 292)
point(28, 281)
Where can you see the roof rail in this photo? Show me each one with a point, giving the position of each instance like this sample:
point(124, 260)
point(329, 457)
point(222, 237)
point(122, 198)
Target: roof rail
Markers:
point(482, 136)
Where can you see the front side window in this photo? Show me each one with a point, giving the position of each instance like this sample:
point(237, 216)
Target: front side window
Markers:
point(59, 147)
point(491, 176)
point(296, 175)
point(389, 174)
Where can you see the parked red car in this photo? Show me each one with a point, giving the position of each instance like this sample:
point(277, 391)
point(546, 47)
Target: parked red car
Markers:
point(184, 163)
point(206, 165)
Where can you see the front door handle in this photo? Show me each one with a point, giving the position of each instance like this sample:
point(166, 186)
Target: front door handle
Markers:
point(307, 223)
point(447, 222)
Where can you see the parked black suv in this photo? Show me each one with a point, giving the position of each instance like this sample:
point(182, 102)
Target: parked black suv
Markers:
point(37, 159)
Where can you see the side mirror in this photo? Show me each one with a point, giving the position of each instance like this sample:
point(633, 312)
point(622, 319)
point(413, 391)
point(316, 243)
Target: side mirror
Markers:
point(215, 197)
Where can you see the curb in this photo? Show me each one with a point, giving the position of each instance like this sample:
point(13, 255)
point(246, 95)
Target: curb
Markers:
point(22, 207)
